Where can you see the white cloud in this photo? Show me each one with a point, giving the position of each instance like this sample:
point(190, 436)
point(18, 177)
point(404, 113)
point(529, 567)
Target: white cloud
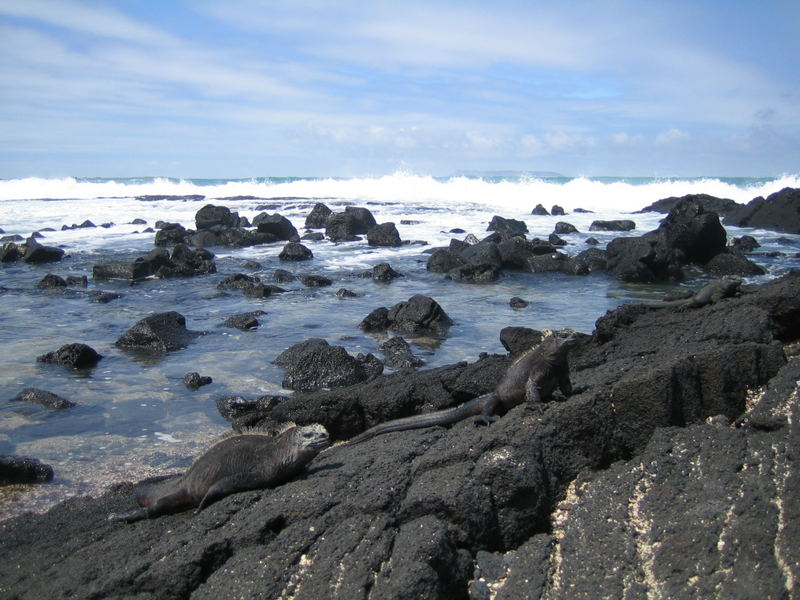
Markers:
point(671, 136)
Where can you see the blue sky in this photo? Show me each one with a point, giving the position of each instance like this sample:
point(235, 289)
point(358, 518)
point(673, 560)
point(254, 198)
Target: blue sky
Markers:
point(244, 88)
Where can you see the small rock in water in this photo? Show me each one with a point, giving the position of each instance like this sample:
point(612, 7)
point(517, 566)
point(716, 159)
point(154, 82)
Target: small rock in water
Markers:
point(194, 380)
point(77, 356)
point(517, 302)
point(43, 398)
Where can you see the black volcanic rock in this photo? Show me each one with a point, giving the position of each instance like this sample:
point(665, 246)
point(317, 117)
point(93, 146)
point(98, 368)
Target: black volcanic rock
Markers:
point(194, 380)
point(615, 225)
point(507, 226)
point(23, 469)
point(636, 485)
point(779, 212)
point(277, 225)
point(37, 254)
point(211, 215)
point(318, 216)
point(419, 315)
point(43, 398)
point(158, 333)
point(295, 251)
point(77, 356)
point(313, 366)
point(385, 235)
point(709, 203)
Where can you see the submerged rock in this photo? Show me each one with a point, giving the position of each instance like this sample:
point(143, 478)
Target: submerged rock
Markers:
point(43, 398)
point(23, 469)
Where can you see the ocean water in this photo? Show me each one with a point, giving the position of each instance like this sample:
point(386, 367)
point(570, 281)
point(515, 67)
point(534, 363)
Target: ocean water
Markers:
point(134, 418)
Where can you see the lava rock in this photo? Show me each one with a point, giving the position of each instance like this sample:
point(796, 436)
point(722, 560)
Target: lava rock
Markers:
point(779, 212)
point(419, 315)
point(323, 366)
point(318, 216)
point(210, 215)
point(43, 398)
point(397, 354)
point(158, 333)
point(77, 356)
point(540, 211)
point(277, 225)
point(314, 281)
point(51, 281)
point(194, 380)
point(295, 251)
point(384, 235)
point(507, 226)
point(616, 225)
point(244, 321)
point(23, 469)
point(37, 254)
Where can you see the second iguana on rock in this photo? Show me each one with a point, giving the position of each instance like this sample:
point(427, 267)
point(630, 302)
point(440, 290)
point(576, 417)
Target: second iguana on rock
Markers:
point(712, 292)
point(532, 377)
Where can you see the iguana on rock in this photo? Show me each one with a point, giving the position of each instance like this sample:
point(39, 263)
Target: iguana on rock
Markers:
point(532, 377)
point(712, 292)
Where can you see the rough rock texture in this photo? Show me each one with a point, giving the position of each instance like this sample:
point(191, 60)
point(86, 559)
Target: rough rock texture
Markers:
point(43, 398)
point(318, 216)
point(347, 225)
point(244, 321)
point(779, 211)
point(77, 356)
point(277, 225)
point(161, 332)
point(419, 315)
point(295, 251)
point(635, 486)
point(195, 381)
point(315, 365)
point(385, 234)
point(211, 215)
point(398, 354)
point(709, 203)
point(36, 253)
point(23, 469)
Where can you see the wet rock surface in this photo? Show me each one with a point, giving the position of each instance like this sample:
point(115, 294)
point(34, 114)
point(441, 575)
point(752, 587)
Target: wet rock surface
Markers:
point(669, 472)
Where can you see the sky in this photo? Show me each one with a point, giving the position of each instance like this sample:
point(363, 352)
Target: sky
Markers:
point(246, 88)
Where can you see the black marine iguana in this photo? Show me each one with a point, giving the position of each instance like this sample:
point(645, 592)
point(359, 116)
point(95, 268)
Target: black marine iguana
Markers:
point(532, 377)
point(235, 464)
point(712, 292)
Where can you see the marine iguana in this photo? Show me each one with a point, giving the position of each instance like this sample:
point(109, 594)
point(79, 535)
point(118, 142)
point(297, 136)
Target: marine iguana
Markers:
point(235, 464)
point(711, 293)
point(532, 377)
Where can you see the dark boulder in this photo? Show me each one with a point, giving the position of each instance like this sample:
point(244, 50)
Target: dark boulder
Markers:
point(210, 215)
point(779, 212)
point(243, 413)
point(23, 469)
point(77, 280)
point(746, 243)
point(276, 225)
point(616, 225)
point(731, 263)
point(563, 228)
point(283, 276)
point(244, 321)
point(318, 216)
point(517, 302)
point(11, 252)
point(397, 354)
point(540, 211)
point(555, 240)
point(158, 333)
point(557, 211)
point(102, 297)
point(77, 356)
point(442, 260)
point(238, 281)
point(709, 203)
point(384, 235)
point(295, 251)
point(515, 252)
point(347, 225)
point(382, 273)
point(519, 339)
point(37, 254)
point(687, 235)
point(320, 365)
point(172, 233)
point(475, 273)
point(419, 315)
point(555, 262)
point(194, 380)
point(51, 281)
point(43, 398)
point(507, 226)
point(315, 281)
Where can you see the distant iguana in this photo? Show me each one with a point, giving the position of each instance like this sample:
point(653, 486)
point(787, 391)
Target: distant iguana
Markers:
point(712, 292)
point(532, 377)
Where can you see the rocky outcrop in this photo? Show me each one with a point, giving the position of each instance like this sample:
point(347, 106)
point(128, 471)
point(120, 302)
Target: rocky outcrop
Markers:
point(779, 211)
point(721, 206)
point(183, 262)
point(688, 235)
point(318, 216)
point(347, 225)
point(669, 472)
point(384, 235)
